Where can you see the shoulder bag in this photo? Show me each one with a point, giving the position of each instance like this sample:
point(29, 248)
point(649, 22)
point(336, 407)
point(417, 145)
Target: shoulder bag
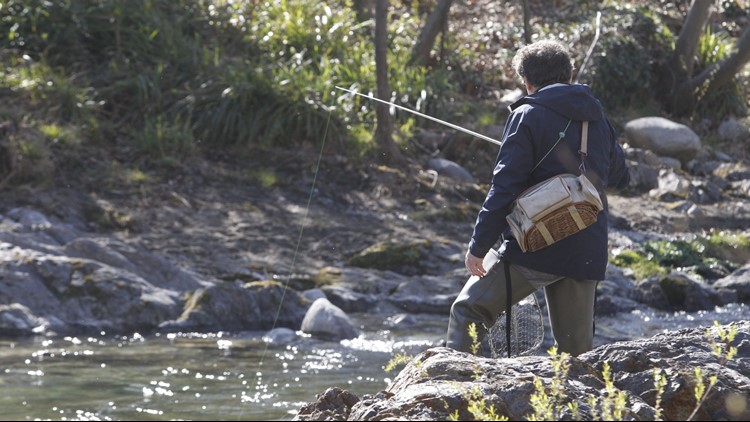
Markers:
point(557, 207)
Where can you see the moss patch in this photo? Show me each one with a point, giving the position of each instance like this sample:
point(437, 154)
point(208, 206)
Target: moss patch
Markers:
point(107, 216)
point(711, 256)
point(675, 289)
point(727, 245)
point(327, 276)
point(676, 253)
point(642, 266)
point(262, 285)
point(405, 258)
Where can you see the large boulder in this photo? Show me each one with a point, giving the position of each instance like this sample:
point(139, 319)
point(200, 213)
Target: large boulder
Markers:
point(56, 278)
point(441, 383)
point(237, 306)
point(68, 295)
point(450, 169)
point(738, 282)
point(675, 292)
point(664, 137)
point(327, 321)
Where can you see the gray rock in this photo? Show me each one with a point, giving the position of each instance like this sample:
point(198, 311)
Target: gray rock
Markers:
point(670, 162)
point(327, 321)
point(664, 137)
point(450, 169)
point(738, 281)
point(429, 140)
point(644, 156)
point(613, 293)
point(29, 218)
point(410, 294)
point(234, 306)
point(280, 336)
point(313, 294)
point(401, 321)
point(432, 304)
point(702, 167)
point(17, 319)
point(334, 404)
point(350, 301)
point(439, 382)
point(734, 130)
point(376, 282)
point(643, 177)
point(149, 265)
point(742, 187)
point(704, 192)
point(722, 156)
point(733, 171)
point(675, 292)
point(672, 186)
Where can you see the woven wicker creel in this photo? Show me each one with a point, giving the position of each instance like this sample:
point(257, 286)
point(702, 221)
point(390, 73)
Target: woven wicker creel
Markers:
point(561, 224)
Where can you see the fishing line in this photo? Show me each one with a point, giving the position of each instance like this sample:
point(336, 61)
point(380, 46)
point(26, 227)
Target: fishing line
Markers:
point(258, 373)
point(450, 125)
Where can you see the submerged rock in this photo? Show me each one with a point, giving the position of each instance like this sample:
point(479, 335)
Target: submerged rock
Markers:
point(328, 321)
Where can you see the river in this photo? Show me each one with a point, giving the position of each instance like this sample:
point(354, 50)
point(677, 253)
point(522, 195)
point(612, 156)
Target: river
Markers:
point(223, 376)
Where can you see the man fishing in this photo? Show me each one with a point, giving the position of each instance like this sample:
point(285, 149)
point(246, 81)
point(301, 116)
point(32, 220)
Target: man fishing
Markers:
point(570, 269)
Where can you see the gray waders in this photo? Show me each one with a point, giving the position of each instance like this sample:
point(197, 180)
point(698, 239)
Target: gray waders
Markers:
point(570, 304)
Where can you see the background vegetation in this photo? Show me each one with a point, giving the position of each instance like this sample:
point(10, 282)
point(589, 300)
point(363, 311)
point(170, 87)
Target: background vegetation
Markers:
point(172, 79)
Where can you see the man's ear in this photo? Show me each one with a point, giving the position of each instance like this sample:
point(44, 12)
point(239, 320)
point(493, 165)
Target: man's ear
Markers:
point(530, 89)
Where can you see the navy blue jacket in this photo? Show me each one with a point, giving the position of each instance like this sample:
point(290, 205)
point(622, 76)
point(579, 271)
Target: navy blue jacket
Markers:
point(531, 130)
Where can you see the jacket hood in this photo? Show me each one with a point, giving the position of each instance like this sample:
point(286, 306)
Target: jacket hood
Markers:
point(575, 102)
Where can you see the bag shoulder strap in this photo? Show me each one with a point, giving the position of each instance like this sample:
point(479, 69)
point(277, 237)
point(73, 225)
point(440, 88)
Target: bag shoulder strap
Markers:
point(581, 152)
point(560, 136)
point(584, 145)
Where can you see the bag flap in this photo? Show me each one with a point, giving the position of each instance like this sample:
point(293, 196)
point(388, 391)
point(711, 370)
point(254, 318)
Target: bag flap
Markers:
point(543, 198)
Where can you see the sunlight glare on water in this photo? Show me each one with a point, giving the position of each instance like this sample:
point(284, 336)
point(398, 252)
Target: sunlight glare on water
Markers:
point(219, 376)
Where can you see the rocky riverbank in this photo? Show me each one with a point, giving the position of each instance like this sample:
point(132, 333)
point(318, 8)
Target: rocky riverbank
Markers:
point(207, 249)
point(212, 246)
point(441, 383)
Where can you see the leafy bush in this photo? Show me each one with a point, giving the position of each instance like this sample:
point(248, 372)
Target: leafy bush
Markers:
point(240, 73)
point(727, 100)
point(633, 43)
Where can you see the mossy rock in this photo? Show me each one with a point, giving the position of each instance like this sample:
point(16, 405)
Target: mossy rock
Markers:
point(727, 245)
point(405, 258)
point(263, 284)
point(327, 276)
point(675, 290)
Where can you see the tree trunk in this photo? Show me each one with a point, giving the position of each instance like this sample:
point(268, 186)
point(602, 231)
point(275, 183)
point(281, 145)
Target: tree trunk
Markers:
point(687, 42)
point(420, 54)
point(362, 9)
point(677, 75)
point(526, 20)
point(713, 77)
point(384, 128)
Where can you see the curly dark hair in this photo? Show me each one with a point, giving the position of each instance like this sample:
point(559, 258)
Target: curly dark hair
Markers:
point(544, 63)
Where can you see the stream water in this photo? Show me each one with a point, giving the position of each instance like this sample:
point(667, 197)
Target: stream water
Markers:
point(222, 376)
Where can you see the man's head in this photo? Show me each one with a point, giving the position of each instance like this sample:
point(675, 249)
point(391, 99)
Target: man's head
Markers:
point(543, 63)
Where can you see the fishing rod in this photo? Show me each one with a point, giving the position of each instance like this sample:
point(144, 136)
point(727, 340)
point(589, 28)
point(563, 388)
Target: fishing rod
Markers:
point(451, 125)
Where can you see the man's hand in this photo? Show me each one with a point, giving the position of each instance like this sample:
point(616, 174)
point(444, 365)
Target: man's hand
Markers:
point(474, 265)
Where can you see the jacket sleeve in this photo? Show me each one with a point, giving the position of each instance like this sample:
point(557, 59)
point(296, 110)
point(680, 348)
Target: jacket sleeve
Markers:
point(513, 166)
point(619, 175)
